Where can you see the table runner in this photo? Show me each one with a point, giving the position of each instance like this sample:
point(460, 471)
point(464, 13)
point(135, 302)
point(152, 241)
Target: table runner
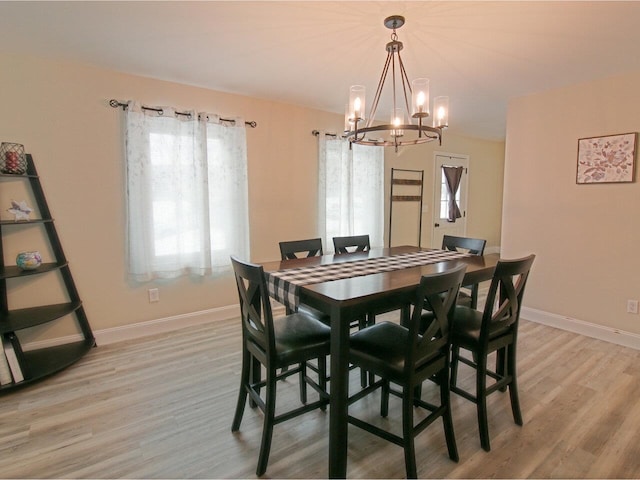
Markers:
point(284, 285)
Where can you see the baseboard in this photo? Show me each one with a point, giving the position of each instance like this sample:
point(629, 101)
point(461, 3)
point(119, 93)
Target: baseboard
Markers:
point(493, 249)
point(144, 329)
point(600, 332)
point(167, 324)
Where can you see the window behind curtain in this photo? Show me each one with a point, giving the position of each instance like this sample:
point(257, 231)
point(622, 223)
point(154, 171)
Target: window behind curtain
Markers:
point(187, 208)
point(351, 189)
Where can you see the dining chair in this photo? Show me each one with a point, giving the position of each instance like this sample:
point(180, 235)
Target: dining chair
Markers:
point(495, 329)
point(275, 344)
point(469, 293)
point(292, 249)
point(350, 244)
point(403, 356)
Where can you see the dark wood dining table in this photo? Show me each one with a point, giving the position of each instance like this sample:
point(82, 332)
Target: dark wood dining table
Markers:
point(349, 298)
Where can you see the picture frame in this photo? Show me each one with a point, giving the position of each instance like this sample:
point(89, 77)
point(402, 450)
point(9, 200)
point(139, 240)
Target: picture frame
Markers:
point(607, 159)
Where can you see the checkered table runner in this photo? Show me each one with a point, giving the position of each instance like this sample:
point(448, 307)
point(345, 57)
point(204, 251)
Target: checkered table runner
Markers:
point(284, 285)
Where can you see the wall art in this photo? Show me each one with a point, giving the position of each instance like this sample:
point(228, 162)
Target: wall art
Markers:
point(608, 159)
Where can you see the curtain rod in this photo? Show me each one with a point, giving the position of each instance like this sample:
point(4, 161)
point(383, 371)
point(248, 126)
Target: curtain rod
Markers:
point(116, 104)
point(315, 133)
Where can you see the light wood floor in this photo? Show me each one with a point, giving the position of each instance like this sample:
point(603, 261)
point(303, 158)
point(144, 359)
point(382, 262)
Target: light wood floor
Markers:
point(161, 407)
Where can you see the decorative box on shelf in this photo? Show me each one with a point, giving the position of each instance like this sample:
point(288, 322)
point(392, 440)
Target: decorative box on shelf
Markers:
point(12, 158)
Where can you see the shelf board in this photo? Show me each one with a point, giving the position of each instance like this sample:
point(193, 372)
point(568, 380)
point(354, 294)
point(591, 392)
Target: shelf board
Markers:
point(12, 271)
point(43, 362)
point(17, 175)
point(30, 317)
point(25, 222)
point(406, 181)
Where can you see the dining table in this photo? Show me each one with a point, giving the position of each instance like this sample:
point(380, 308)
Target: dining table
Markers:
point(348, 286)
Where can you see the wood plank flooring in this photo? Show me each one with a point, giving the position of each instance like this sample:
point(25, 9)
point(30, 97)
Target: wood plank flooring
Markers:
point(161, 407)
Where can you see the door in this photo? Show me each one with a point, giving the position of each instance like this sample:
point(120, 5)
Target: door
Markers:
point(441, 225)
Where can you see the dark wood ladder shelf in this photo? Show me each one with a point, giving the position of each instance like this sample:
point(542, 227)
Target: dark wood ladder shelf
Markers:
point(409, 181)
point(40, 362)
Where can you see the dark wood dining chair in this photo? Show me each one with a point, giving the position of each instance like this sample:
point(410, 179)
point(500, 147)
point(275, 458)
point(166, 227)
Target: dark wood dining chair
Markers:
point(495, 329)
point(475, 246)
point(300, 248)
point(275, 344)
point(403, 356)
point(291, 250)
point(350, 244)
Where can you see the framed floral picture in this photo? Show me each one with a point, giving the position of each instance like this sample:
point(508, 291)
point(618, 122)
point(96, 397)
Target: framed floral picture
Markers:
point(608, 159)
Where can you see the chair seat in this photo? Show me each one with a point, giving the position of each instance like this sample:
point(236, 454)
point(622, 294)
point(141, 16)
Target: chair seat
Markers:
point(317, 314)
point(466, 326)
point(380, 347)
point(299, 337)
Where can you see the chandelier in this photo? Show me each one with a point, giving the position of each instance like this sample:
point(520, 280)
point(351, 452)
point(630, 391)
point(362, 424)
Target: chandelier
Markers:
point(407, 125)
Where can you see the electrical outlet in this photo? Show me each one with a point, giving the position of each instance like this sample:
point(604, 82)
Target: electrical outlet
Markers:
point(154, 295)
point(632, 306)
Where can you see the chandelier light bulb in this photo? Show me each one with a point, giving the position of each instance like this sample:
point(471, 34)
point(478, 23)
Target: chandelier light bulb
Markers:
point(356, 102)
point(397, 120)
point(420, 98)
point(441, 107)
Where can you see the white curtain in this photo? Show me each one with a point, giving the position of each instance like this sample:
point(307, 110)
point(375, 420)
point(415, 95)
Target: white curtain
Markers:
point(187, 207)
point(351, 190)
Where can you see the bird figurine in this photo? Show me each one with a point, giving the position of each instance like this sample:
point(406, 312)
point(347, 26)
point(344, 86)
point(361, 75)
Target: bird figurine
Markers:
point(20, 209)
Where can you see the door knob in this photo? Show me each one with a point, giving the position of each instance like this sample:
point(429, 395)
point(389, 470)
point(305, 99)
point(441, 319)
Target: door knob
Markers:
point(436, 225)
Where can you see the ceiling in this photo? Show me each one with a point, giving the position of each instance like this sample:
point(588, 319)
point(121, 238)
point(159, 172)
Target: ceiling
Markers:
point(308, 53)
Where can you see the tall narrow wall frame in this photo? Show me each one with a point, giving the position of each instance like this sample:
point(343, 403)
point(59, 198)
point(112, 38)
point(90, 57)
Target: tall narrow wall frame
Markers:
point(416, 183)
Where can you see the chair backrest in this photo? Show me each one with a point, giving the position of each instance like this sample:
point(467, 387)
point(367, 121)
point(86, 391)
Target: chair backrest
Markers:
point(474, 246)
point(255, 307)
point(437, 293)
point(507, 287)
point(308, 248)
point(350, 244)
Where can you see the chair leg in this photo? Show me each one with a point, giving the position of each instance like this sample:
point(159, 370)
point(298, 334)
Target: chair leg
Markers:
point(501, 365)
point(455, 355)
point(384, 398)
point(408, 434)
point(481, 399)
point(363, 378)
point(513, 386)
point(474, 296)
point(267, 429)
point(447, 419)
point(242, 394)
point(303, 382)
point(256, 376)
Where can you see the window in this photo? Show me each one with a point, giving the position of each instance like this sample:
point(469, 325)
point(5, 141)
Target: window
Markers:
point(187, 207)
point(351, 191)
point(444, 196)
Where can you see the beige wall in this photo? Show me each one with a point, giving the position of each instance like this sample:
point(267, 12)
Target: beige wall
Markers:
point(585, 236)
point(484, 204)
point(60, 112)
